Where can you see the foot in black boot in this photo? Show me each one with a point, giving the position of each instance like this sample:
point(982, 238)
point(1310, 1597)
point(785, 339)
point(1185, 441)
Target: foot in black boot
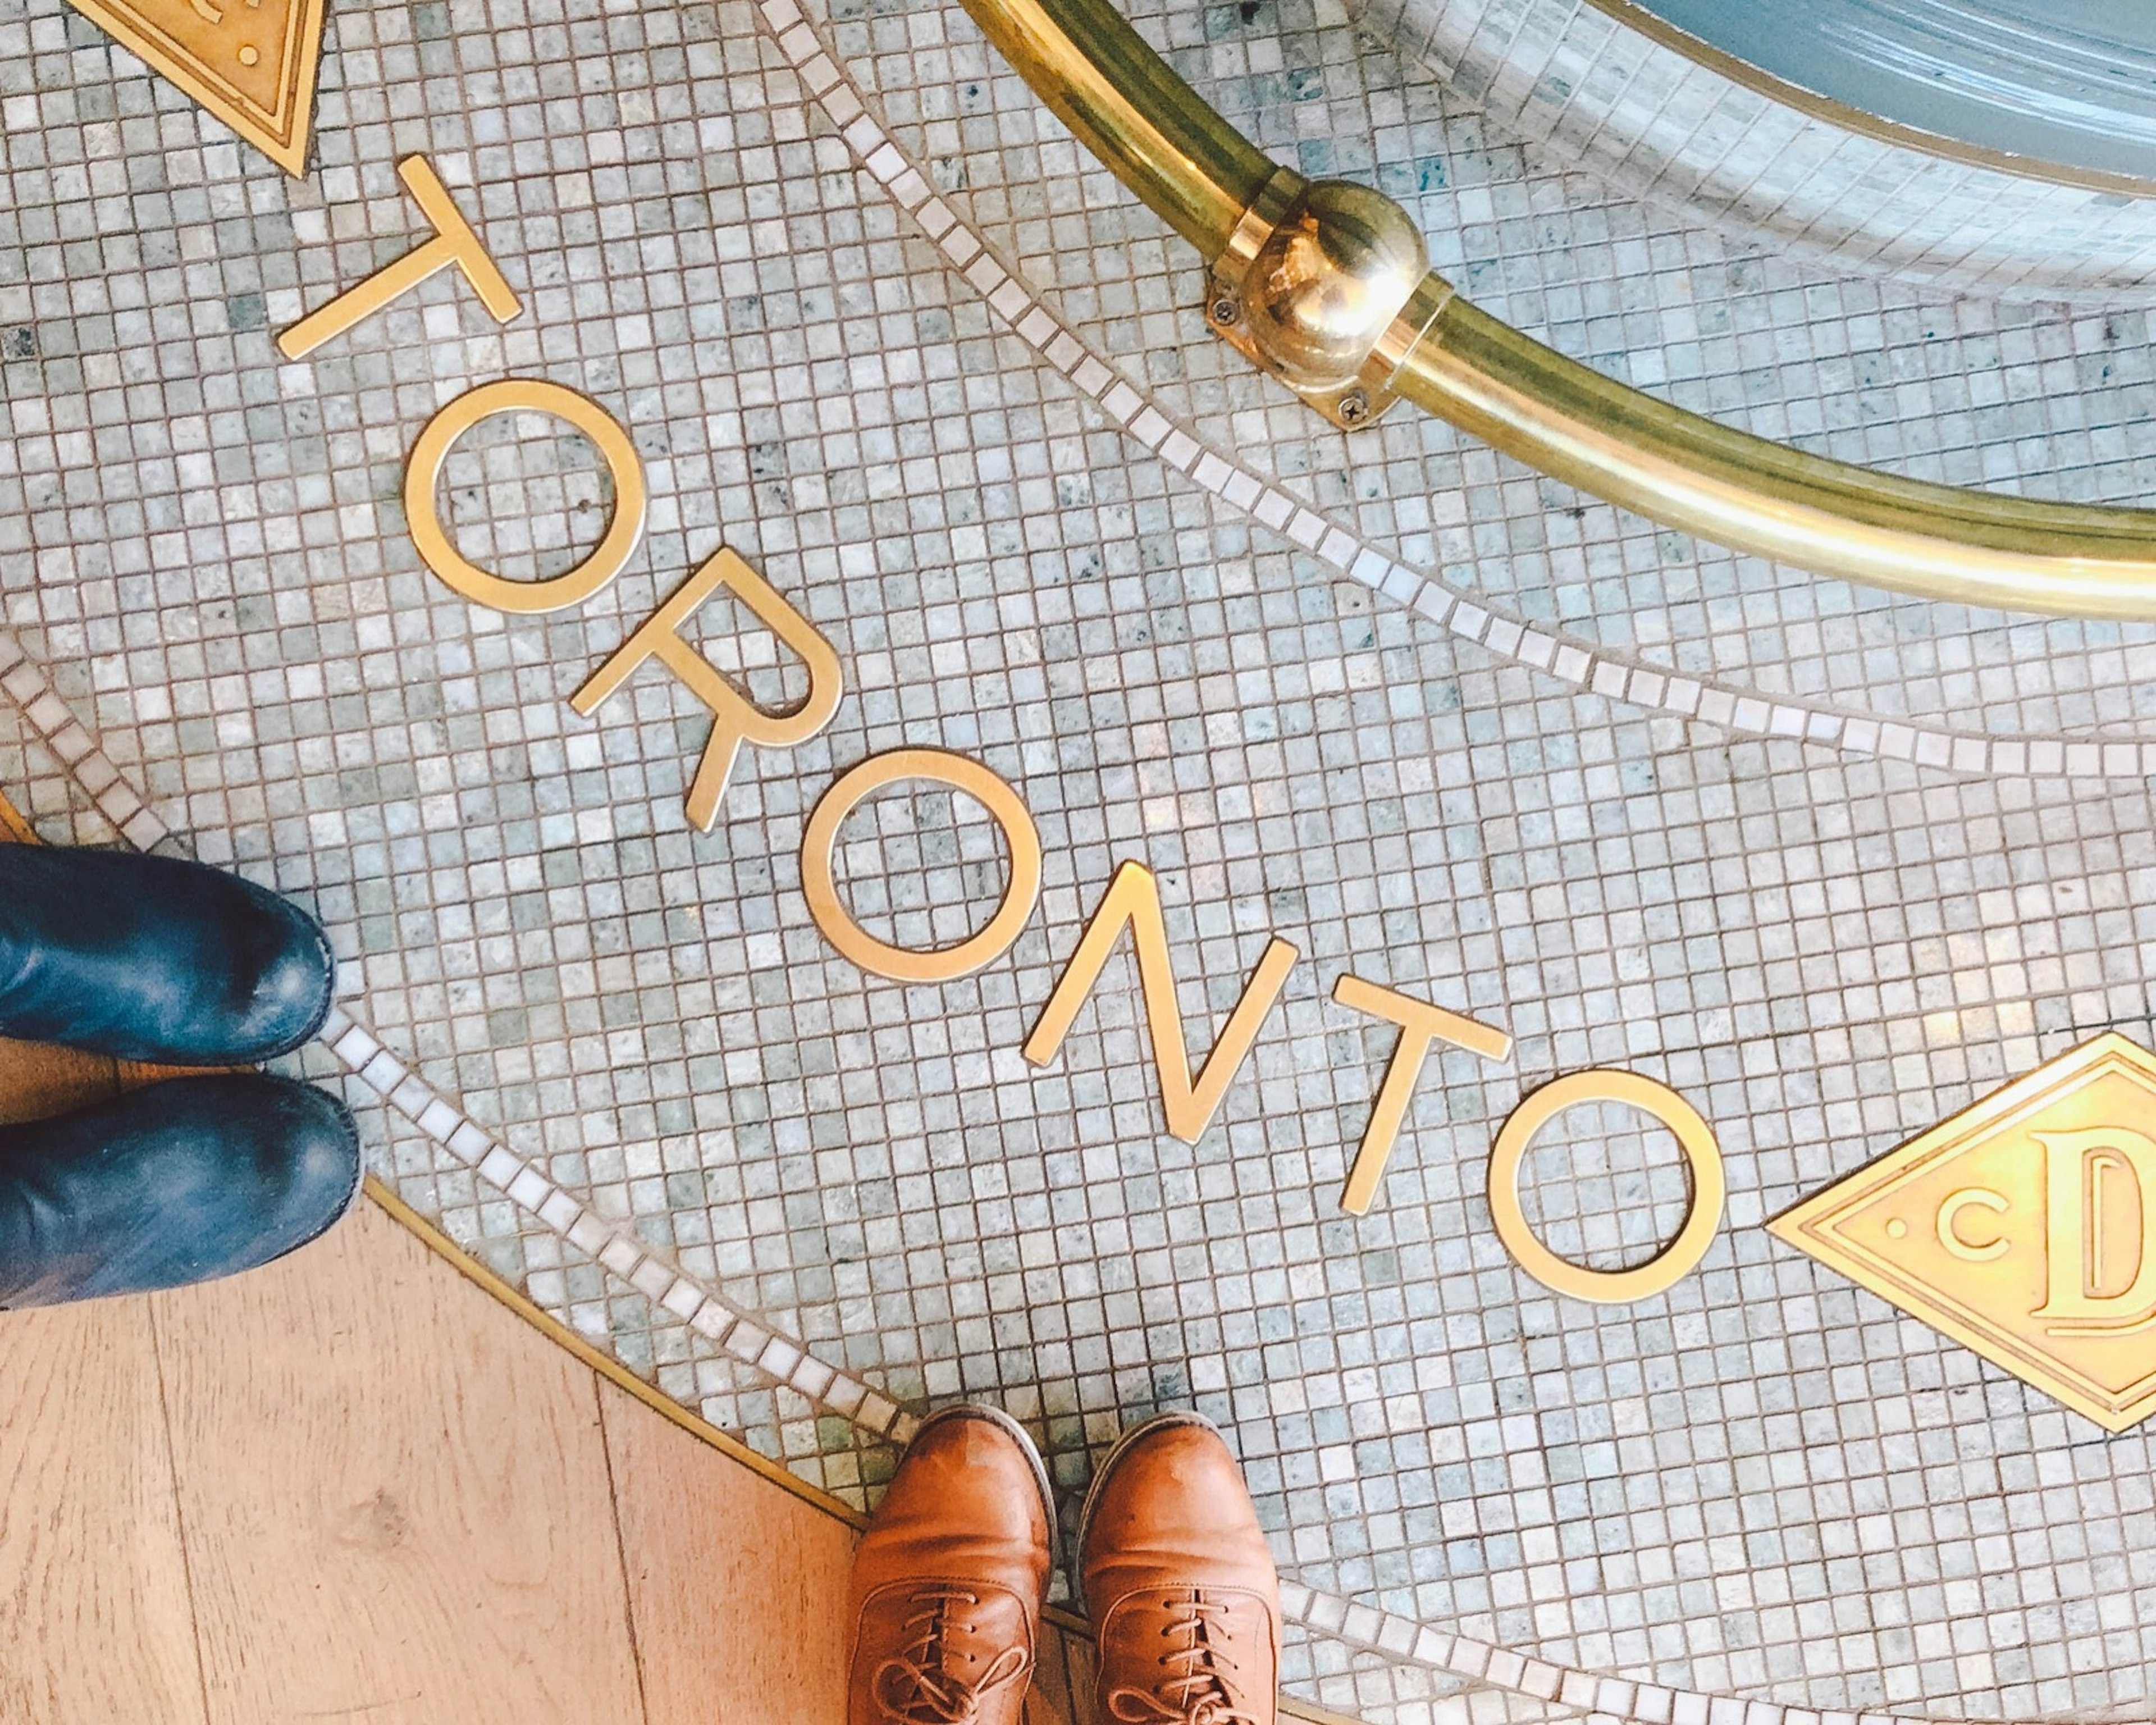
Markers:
point(151, 958)
point(174, 1183)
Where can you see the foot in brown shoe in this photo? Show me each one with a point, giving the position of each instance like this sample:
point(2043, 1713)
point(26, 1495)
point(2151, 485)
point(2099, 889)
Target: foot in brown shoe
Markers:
point(949, 1579)
point(1179, 1583)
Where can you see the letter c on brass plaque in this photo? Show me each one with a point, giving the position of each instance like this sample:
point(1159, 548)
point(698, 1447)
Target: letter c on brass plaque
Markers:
point(940, 964)
point(1948, 1224)
point(1607, 1287)
point(534, 395)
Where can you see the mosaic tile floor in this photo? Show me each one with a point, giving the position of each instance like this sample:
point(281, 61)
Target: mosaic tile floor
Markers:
point(1830, 863)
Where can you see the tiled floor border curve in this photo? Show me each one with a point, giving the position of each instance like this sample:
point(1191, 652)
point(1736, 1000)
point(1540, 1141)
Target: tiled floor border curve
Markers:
point(745, 1338)
point(1583, 666)
point(496, 1287)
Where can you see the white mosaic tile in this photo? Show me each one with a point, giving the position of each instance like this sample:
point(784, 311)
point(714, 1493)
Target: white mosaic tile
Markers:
point(1830, 863)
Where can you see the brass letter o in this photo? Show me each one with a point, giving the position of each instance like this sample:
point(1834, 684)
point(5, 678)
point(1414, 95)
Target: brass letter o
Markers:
point(1666, 1268)
point(904, 964)
point(511, 395)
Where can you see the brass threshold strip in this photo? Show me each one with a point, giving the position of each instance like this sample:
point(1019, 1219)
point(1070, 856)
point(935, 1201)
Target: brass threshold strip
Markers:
point(605, 1364)
point(614, 1372)
point(16, 830)
point(1323, 286)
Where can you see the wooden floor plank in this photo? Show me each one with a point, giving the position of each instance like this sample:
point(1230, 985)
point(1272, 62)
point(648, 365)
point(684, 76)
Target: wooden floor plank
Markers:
point(38, 1081)
point(94, 1620)
point(737, 1588)
point(394, 1497)
point(95, 1623)
point(1084, 1669)
point(1050, 1702)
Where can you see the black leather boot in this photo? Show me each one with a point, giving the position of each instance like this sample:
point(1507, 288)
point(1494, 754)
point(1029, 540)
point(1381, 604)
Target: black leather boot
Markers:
point(151, 958)
point(173, 1184)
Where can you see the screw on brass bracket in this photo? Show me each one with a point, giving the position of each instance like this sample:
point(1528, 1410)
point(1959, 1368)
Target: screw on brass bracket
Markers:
point(1322, 285)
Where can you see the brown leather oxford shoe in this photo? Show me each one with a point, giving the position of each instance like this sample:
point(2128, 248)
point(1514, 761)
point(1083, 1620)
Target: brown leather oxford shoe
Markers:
point(949, 1579)
point(1179, 1583)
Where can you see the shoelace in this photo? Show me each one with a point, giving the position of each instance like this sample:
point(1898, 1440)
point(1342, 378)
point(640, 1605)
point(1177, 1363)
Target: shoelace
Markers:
point(1195, 1691)
point(912, 1688)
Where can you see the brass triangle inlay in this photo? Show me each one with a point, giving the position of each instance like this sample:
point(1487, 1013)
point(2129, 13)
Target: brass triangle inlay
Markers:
point(2024, 1227)
point(250, 62)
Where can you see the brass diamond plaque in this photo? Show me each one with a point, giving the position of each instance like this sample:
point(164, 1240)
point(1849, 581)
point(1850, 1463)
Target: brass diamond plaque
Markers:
point(2024, 1227)
point(250, 62)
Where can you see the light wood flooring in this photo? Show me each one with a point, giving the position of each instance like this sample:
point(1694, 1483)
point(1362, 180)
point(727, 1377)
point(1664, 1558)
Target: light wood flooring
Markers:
point(352, 1487)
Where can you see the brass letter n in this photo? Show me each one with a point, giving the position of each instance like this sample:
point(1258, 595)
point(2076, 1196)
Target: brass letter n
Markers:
point(1133, 897)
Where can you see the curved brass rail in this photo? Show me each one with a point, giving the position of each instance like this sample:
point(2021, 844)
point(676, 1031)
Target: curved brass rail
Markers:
point(1200, 176)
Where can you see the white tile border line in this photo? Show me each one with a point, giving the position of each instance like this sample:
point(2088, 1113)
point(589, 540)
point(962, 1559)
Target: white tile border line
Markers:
point(741, 1334)
point(1465, 615)
point(745, 1338)
point(24, 680)
point(1481, 1664)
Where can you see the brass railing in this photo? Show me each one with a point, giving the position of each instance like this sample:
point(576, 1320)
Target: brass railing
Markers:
point(1324, 285)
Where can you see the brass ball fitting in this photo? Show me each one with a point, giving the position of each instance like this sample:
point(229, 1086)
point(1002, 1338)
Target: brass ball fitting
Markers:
point(1328, 282)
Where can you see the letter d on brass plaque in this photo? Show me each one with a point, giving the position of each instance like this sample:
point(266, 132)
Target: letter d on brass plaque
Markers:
point(2100, 1271)
point(2024, 1227)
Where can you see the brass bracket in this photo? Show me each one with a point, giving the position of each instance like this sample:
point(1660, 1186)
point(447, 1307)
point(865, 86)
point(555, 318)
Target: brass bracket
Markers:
point(1230, 288)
